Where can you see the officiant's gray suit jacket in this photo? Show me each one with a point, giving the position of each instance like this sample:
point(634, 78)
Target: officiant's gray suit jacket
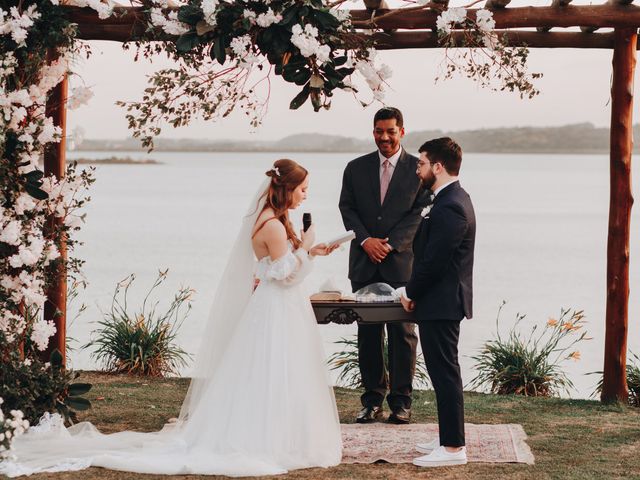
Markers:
point(397, 218)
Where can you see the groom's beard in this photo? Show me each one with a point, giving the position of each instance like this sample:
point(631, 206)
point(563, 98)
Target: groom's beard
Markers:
point(428, 181)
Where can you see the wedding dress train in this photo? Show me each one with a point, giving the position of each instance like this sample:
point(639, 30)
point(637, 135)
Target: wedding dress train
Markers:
point(260, 403)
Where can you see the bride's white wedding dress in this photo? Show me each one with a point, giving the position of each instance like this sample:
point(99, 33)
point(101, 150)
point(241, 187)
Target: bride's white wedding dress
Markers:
point(260, 402)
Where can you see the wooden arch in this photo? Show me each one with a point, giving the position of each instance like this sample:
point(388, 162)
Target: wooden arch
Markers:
point(416, 28)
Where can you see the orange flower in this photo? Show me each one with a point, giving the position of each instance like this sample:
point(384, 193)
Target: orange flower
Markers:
point(552, 322)
point(574, 355)
point(571, 326)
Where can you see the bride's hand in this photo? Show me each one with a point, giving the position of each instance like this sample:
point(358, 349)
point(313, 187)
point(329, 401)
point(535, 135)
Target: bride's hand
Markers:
point(308, 238)
point(322, 249)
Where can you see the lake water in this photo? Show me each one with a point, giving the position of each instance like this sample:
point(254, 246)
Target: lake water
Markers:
point(541, 239)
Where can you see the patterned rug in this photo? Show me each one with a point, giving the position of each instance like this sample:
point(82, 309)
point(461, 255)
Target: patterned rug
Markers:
point(373, 442)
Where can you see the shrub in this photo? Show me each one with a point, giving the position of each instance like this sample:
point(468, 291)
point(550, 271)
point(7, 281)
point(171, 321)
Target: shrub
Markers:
point(141, 343)
point(633, 381)
point(346, 362)
point(35, 387)
point(530, 365)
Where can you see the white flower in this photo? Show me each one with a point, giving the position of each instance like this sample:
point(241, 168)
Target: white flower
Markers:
point(343, 15)
point(50, 132)
point(11, 233)
point(308, 44)
point(449, 18)
point(156, 17)
point(25, 256)
point(250, 15)
point(52, 253)
point(24, 203)
point(174, 26)
point(267, 19)
point(169, 24)
point(239, 45)
point(79, 96)
point(10, 283)
point(42, 331)
point(17, 24)
point(485, 21)
point(209, 9)
point(20, 97)
point(425, 211)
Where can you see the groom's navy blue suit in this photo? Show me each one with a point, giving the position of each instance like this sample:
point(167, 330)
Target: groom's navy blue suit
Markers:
point(441, 286)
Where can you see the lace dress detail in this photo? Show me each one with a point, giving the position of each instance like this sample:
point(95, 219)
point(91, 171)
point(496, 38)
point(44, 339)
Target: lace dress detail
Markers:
point(289, 269)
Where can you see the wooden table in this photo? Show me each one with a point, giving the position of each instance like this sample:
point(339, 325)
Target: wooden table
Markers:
point(344, 313)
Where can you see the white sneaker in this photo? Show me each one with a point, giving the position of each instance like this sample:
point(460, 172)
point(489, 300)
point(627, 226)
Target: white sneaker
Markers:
point(429, 446)
point(441, 458)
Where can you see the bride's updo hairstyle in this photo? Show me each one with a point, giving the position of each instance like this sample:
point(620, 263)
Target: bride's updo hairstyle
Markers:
point(286, 175)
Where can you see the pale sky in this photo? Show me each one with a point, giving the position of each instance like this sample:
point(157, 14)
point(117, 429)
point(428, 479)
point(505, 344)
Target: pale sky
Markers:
point(575, 88)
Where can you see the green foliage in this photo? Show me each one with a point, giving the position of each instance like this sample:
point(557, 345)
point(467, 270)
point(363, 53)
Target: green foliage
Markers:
point(35, 387)
point(346, 362)
point(141, 343)
point(633, 381)
point(530, 365)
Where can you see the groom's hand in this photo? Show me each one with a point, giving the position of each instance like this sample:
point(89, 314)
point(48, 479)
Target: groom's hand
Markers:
point(377, 248)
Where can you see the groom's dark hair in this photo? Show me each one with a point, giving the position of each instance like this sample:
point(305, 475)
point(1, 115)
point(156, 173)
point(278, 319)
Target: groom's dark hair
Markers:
point(388, 113)
point(446, 151)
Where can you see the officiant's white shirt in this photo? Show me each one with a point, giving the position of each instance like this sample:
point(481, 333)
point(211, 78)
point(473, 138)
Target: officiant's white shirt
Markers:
point(393, 160)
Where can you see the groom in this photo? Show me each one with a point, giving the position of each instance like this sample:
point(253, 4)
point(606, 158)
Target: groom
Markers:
point(440, 292)
point(381, 200)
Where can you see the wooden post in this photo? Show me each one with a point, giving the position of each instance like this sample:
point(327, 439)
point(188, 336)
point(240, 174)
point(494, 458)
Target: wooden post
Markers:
point(614, 387)
point(55, 308)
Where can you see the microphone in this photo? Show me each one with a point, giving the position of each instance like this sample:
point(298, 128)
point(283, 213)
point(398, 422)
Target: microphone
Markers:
point(306, 221)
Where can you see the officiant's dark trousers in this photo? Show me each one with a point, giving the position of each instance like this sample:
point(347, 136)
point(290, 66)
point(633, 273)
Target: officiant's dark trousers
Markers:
point(402, 342)
point(439, 341)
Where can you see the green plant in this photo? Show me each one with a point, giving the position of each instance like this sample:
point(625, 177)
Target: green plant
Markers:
point(633, 381)
point(141, 343)
point(35, 387)
point(346, 362)
point(530, 365)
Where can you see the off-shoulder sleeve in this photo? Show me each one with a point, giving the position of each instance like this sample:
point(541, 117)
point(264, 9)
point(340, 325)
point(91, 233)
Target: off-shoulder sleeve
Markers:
point(291, 268)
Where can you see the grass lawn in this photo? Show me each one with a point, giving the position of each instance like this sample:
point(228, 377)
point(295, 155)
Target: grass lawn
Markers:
point(571, 439)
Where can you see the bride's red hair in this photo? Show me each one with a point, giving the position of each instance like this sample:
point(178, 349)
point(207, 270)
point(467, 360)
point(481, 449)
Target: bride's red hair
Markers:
point(286, 175)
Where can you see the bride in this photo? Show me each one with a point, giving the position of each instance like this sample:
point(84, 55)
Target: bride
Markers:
point(260, 401)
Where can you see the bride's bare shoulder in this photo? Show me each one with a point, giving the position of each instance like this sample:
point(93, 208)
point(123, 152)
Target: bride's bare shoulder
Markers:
point(268, 226)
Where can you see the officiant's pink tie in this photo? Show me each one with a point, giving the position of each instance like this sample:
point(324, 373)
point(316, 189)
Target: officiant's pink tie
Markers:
point(385, 178)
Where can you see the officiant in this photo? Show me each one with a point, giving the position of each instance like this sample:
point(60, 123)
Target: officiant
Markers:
point(381, 201)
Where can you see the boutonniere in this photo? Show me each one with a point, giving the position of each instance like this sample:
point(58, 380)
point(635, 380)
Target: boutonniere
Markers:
point(425, 211)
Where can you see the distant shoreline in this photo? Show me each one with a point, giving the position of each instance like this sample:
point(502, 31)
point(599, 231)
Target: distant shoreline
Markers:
point(582, 138)
point(114, 161)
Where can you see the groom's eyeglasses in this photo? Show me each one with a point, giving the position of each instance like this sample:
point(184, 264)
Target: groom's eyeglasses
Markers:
point(422, 164)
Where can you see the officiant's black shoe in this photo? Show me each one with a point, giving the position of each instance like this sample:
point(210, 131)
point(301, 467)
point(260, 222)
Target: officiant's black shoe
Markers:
point(400, 416)
point(370, 414)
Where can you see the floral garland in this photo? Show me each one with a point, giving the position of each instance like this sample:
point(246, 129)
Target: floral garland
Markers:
point(27, 198)
point(226, 51)
point(490, 60)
